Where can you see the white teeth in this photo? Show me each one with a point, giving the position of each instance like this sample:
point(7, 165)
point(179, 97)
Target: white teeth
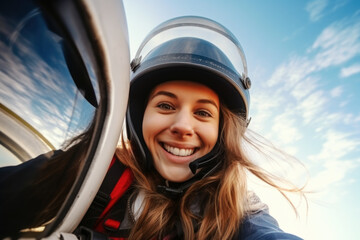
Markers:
point(179, 152)
point(182, 152)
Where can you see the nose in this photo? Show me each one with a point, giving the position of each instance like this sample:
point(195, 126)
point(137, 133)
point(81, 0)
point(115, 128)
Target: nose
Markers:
point(183, 124)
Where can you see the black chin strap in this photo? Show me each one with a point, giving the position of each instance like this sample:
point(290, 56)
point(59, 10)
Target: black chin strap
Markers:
point(213, 156)
point(207, 165)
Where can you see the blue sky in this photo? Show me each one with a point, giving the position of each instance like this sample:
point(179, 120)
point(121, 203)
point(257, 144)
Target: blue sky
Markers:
point(304, 62)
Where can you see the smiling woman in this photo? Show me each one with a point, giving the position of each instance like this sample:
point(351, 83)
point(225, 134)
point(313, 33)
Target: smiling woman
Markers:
point(182, 171)
point(181, 123)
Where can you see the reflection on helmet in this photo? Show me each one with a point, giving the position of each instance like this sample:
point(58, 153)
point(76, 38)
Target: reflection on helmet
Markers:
point(188, 48)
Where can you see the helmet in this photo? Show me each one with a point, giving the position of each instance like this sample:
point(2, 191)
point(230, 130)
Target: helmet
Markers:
point(187, 48)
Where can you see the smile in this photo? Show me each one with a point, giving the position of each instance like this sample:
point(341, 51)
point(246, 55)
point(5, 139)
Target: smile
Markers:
point(182, 152)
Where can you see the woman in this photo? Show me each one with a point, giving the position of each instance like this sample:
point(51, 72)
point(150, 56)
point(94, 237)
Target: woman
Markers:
point(184, 169)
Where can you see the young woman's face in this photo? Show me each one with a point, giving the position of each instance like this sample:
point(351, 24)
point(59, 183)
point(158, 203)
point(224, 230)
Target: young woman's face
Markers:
point(181, 124)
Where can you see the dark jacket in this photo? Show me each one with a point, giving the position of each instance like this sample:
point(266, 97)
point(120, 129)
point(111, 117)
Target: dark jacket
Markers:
point(262, 226)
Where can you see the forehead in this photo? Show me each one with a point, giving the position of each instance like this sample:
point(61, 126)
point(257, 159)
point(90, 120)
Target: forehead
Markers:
point(187, 88)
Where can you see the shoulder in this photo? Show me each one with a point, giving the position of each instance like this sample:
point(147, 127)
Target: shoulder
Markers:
point(24, 173)
point(262, 226)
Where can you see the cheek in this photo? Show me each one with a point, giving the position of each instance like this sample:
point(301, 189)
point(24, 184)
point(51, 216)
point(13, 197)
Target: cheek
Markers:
point(152, 124)
point(146, 126)
point(210, 134)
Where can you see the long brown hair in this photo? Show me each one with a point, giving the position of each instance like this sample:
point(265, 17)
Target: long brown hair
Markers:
point(223, 196)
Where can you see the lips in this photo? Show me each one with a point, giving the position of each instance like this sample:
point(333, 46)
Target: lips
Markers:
point(181, 152)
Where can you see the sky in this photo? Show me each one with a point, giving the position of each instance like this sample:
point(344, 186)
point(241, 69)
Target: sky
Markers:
point(304, 62)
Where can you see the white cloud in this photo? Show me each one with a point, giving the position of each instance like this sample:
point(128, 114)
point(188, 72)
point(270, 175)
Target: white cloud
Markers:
point(343, 103)
point(303, 88)
point(316, 8)
point(309, 90)
point(336, 92)
point(291, 72)
point(349, 71)
point(336, 44)
point(357, 119)
point(333, 173)
point(336, 146)
point(285, 129)
point(264, 103)
point(333, 165)
point(312, 106)
point(350, 118)
point(304, 81)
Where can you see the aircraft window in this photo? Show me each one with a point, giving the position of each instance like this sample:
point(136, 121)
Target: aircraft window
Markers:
point(7, 157)
point(50, 104)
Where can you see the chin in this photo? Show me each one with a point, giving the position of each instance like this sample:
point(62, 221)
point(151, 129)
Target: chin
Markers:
point(178, 175)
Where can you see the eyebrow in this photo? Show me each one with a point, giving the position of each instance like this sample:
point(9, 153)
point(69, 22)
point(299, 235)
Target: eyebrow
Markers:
point(171, 95)
point(209, 101)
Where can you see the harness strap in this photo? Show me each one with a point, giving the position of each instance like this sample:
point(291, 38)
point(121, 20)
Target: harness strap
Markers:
point(101, 215)
point(120, 188)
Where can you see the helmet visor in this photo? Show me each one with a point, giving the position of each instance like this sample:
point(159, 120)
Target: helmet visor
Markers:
point(196, 27)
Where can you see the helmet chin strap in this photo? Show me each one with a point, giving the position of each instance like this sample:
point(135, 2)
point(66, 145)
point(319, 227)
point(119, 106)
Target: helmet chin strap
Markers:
point(207, 165)
point(212, 156)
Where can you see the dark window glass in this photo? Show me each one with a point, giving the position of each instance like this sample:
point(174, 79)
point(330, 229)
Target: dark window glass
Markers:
point(49, 101)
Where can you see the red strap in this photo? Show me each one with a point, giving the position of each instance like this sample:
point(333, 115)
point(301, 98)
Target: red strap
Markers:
point(112, 162)
point(121, 186)
point(112, 224)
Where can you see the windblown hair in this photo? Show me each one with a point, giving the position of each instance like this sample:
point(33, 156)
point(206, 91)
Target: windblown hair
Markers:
point(222, 197)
